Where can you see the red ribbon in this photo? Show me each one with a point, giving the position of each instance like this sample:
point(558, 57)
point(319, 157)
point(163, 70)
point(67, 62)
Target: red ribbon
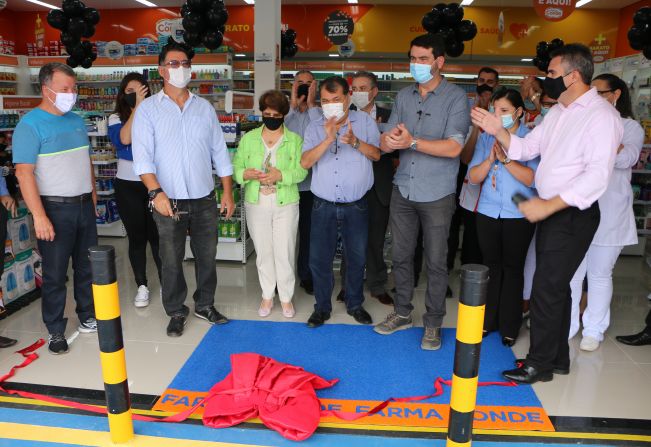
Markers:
point(30, 355)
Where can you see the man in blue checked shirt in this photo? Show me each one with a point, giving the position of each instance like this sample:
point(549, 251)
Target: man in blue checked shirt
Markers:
point(340, 148)
point(176, 142)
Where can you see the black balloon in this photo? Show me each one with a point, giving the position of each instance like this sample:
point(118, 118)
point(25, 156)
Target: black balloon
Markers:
point(637, 36)
point(440, 6)
point(555, 44)
point(467, 30)
point(196, 5)
point(76, 26)
point(642, 16)
point(72, 62)
point(193, 21)
point(89, 30)
point(542, 48)
point(647, 52)
point(91, 15)
point(213, 39)
point(291, 50)
point(93, 56)
point(73, 8)
point(87, 62)
point(535, 61)
point(68, 39)
point(192, 38)
point(452, 14)
point(87, 45)
point(57, 19)
point(446, 33)
point(454, 48)
point(217, 16)
point(77, 52)
point(290, 34)
point(432, 21)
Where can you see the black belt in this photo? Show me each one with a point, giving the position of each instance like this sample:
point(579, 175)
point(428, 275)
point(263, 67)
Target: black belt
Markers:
point(74, 199)
point(341, 203)
point(209, 196)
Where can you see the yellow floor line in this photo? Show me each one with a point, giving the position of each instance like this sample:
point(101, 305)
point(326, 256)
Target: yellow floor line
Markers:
point(93, 438)
point(523, 433)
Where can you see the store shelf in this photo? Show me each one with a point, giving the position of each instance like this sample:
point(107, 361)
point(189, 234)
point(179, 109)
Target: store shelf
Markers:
point(113, 229)
point(109, 192)
point(641, 171)
point(643, 232)
point(226, 250)
point(97, 134)
point(641, 202)
point(105, 162)
point(7, 129)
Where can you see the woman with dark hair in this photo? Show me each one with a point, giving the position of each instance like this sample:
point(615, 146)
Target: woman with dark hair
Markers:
point(268, 164)
point(130, 193)
point(503, 232)
point(616, 227)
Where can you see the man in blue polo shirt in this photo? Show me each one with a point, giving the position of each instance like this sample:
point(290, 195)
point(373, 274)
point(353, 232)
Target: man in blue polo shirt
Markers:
point(340, 148)
point(51, 152)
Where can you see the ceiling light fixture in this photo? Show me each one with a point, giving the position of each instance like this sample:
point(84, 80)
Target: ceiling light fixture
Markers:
point(240, 55)
point(582, 2)
point(147, 3)
point(47, 5)
point(467, 2)
point(354, 2)
point(249, 2)
point(333, 55)
point(526, 59)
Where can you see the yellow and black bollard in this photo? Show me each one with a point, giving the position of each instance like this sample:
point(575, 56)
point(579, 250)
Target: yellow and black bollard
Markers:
point(470, 323)
point(111, 344)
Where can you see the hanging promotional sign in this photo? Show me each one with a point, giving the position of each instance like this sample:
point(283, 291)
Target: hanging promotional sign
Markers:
point(338, 27)
point(554, 10)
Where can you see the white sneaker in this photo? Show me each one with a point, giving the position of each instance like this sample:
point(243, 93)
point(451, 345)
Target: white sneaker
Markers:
point(589, 344)
point(142, 298)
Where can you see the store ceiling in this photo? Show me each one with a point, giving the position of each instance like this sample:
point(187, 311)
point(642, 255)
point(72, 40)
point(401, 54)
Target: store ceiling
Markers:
point(22, 5)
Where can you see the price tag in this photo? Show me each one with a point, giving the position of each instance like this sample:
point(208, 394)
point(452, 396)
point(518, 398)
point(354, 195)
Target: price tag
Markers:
point(338, 27)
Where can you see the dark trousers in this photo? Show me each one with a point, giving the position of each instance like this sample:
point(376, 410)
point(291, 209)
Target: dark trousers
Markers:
point(470, 250)
point(376, 268)
point(562, 241)
point(647, 321)
point(305, 204)
point(201, 221)
point(504, 244)
point(434, 218)
point(4, 217)
point(453, 237)
point(352, 221)
point(133, 206)
point(75, 232)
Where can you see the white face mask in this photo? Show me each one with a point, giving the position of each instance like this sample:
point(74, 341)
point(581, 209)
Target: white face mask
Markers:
point(360, 99)
point(64, 102)
point(180, 77)
point(333, 110)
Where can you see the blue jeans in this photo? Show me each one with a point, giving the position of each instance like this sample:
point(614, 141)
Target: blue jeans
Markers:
point(352, 219)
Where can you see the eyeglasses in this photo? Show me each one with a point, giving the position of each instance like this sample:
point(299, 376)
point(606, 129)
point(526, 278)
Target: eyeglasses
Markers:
point(336, 146)
point(603, 92)
point(176, 64)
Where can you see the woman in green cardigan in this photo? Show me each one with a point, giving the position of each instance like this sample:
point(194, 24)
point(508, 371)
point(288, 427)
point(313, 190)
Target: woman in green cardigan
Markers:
point(268, 164)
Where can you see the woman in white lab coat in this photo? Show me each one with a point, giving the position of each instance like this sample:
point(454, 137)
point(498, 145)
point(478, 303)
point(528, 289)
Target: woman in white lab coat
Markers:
point(617, 226)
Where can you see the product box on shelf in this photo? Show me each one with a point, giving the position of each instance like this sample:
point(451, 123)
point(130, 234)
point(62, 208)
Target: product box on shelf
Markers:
point(9, 283)
point(24, 269)
point(107, 211)
point(20, 231)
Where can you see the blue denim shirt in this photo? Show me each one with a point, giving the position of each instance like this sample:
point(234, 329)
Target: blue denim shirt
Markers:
point(496, 202)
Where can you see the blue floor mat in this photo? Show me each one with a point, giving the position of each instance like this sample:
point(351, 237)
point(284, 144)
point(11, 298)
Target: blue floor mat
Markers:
point(370, 366)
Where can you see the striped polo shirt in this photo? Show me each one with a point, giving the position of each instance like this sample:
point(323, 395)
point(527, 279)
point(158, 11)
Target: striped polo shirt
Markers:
point(59, 147)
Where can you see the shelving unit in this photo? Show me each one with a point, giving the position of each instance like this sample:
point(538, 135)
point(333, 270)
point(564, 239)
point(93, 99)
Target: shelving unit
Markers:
point(105, 170)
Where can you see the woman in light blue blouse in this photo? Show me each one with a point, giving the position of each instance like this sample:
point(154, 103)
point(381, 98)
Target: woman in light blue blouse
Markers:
point(503, 232)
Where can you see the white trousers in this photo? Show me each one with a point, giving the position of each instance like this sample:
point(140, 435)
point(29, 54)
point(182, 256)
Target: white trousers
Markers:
point(598, 264)
point(273, 229)
point(529, 269)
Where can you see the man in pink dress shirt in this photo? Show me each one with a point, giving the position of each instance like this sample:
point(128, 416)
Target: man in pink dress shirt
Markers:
point(577, 143)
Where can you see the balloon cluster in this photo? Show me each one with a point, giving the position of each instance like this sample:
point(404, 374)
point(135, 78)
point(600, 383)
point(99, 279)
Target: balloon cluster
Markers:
point(639, 36)
point(543, 51)
point(288, 47)
point(204, 22)
point(447, 21)
point(75, 21)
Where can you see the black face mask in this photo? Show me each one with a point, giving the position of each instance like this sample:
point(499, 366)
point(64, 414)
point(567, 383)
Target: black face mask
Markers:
point(130, 99)
point(554, 87)
point(484, 88)
point(272, 123)
point(303, 90)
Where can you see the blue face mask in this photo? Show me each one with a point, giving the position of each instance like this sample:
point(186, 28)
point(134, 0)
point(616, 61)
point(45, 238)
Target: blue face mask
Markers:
point(529, 105)
point(507, 121)
point(422, 73)
point(544, 110)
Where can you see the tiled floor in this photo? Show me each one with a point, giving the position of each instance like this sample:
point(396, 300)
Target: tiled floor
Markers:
point(611, 382)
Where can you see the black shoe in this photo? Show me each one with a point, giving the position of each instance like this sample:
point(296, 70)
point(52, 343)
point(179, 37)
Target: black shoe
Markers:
point(384, 298)
point(416, 279)
point(448, 293)
point(341, 297)
point(528, 374)
point(175, 328)
point(57, 344)
point(7, 342)
point(640, 339)
point(318, 318)
point(211, 315)
point(558, 370)
point(361, 316)
point(393, 290)
point(308, 286)
point(508, 341)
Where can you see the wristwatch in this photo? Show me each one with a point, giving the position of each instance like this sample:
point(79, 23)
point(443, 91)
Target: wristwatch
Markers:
point(506, 161)
point(356, 144)
point(154, 192)
point(414, 145)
